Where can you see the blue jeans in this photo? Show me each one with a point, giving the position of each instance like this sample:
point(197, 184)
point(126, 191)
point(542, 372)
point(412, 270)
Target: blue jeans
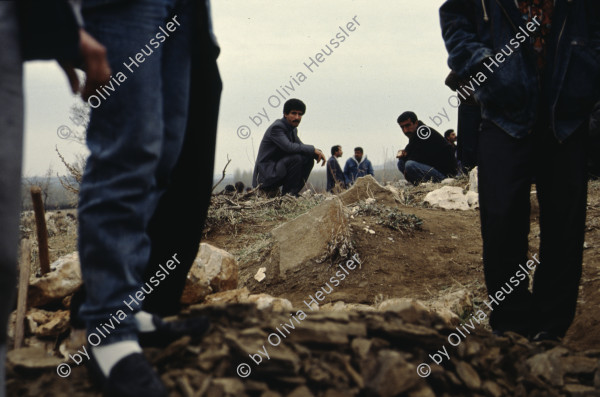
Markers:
point(415, 172)
point(135, 137)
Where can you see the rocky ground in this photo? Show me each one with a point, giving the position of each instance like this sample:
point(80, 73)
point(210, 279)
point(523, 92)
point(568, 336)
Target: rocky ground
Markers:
point(369, 336)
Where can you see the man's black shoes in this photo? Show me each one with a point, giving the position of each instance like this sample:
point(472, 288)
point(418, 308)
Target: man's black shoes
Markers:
point(169, 331)
point(132, 376)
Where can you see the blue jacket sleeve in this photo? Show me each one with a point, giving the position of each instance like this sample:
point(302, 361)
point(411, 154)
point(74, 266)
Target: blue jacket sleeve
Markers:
point(370, 169)
point(459, 30)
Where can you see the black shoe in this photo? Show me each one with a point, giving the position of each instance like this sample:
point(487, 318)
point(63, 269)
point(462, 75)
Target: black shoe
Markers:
point(132, 376)
point(169, 331)
point(545, 336)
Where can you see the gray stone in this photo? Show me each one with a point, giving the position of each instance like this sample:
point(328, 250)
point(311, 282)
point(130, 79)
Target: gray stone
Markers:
point(301, 391)
point(579, 365)
point(468, 375)
point(32, 358)
point(393, 375)
point(577, 390)
point(311, 235)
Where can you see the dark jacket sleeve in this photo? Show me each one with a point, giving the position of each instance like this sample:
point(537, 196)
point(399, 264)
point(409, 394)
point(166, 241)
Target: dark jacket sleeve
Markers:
point(280, 139)
point(49, 30)
point(459, 30)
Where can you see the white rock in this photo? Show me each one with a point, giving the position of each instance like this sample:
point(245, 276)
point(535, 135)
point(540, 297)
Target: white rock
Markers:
point(265, 301)
point(451, 198)
point(213, 270)
point(63, 279)
point(260, 274)
point(448, 181)
point(473, 184)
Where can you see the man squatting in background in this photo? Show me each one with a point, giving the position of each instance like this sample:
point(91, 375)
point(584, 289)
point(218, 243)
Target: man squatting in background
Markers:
point(28, 30)
point(428, 155)
point(137, 208)
point(283, 160)
point(536, 102)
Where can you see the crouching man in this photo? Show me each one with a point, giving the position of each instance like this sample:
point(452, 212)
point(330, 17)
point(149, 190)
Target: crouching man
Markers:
point(428, 156)
point(283, 160)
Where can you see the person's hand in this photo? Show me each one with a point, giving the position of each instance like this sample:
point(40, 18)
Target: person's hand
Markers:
point(401, 153)
point(95, 65)
point(320, 157)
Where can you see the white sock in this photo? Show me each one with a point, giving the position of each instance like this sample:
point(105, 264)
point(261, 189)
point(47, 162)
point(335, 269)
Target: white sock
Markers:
point(107, 356)
point(144, 322)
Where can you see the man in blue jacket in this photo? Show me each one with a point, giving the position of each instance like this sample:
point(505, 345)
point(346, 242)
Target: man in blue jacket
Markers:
point(534, 68)
point(357, 166)
point(335, 175)
point(283, 160)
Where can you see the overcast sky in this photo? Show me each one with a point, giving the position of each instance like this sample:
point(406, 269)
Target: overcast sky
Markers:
point(393, 61)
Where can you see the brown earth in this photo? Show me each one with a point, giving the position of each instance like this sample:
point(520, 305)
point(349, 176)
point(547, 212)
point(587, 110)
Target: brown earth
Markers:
point(445, 255)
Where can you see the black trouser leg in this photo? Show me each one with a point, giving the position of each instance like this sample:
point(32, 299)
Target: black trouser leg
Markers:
point(469, 119)
point(177, 224)
point(505, 174)
point(298, 168)
point(561, 179)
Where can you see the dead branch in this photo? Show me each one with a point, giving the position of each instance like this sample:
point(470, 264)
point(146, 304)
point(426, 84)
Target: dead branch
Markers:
point(222, 177)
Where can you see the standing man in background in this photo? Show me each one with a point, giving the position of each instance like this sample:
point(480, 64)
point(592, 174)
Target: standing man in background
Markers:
point(335, 176)
point(357, 166)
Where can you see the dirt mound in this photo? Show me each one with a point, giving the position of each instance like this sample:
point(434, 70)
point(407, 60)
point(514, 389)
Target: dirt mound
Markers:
point(367, 187)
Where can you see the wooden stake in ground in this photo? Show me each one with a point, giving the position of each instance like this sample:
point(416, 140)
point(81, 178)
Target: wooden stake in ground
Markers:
point(40, 226)
point(24, 270)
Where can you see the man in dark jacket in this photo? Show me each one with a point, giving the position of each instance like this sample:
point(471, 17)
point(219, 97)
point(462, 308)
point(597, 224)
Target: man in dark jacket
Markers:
point(534, 68)
point(31, 30)
point(335, 175)
point(283, 160)
point(428, 155)
point(357, 166)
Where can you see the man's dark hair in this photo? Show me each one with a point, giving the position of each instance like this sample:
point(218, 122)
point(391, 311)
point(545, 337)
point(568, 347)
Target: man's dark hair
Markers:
point(447, 133)
point(359, 149)
point(407, 116)
point(334, 149)
point(294, 104)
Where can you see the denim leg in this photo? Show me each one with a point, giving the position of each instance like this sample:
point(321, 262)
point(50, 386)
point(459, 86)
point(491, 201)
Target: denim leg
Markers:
point(401, 165)
point(126, 137)
point(11, 152)
point(416, 172)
